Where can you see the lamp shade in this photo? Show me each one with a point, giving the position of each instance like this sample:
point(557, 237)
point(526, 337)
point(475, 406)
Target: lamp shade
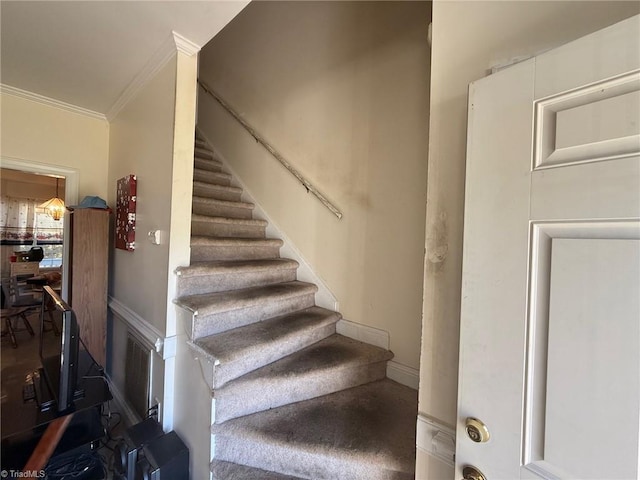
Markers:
point(54, 208)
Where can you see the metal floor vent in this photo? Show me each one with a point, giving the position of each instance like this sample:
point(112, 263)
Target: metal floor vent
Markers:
point(137, 374)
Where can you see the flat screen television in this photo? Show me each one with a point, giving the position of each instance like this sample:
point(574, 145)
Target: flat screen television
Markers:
point(59, 355)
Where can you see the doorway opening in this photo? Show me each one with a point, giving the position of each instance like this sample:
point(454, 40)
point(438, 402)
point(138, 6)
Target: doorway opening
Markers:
point(13, 166)
point(24, 226)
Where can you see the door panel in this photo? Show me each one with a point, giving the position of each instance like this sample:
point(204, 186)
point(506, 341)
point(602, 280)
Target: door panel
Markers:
point(590, 387)
point(550, 319)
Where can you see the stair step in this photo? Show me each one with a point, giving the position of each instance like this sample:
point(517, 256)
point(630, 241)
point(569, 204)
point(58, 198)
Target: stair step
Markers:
point(330, 365)
point(366, 432)
point(200, 143)
point(213, 248)
point(222, 311)
point(221, 208)
point(203, 152)
point(207, 164)
point(203, 225)
point(216, 178)
point(242, 350)
point(221, 192)
point(223, 275)
point(233, 471)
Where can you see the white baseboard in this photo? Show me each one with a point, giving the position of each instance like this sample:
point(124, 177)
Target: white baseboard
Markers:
point(404, 375)
point(436, 438)
point(374, 336)
point(363, 333)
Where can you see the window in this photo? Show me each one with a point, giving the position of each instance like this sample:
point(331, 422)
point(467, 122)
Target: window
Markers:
point(22, 225)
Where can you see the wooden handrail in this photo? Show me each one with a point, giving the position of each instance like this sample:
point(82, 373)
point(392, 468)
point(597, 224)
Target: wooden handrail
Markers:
point(47, 444)
point(260, 139)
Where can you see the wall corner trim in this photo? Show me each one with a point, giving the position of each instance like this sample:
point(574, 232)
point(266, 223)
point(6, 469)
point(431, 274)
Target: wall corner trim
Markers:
point(173, 43)
point(50, 102)
point(436, 438)
point(165, 346)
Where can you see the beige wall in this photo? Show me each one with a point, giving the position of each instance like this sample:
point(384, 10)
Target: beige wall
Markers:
point(141, 143)
point(341, 90)
point(469, 38)
point(48, 135)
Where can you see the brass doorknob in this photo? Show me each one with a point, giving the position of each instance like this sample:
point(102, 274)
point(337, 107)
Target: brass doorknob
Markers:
point(472, 473)
point(477, 430)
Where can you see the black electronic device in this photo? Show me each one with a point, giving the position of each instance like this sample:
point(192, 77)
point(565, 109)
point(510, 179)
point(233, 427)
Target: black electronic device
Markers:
point(164, 458)
point(59, 358)
point(127, 450)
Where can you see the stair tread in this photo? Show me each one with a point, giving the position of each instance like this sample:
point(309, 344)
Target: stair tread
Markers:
point(209, 156)
point(196, 217)
point(229, 346)
point(232, 241)
point(215, 267)
point(227, 188)
point(202, 150)
point(208, 164)
point(211, 175)
point(226, 203)
point(331, 364)
point(233, 471)
point(362, 432)
point(212, 303)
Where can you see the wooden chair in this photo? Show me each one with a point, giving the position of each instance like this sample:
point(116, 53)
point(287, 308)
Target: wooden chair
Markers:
point(13, 312)
point(28, 287)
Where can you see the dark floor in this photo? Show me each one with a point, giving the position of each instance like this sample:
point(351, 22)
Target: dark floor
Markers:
point(17, 363)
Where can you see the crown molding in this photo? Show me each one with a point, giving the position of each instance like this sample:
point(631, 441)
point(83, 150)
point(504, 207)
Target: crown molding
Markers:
point(184, 45)
point(174, 43)
point(49, 102)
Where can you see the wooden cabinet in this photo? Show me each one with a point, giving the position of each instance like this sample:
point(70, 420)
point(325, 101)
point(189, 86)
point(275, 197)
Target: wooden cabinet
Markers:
point(88, 272)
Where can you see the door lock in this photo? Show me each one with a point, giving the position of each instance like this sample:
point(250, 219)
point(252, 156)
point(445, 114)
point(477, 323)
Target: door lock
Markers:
point(477, 430)
point(472, 473)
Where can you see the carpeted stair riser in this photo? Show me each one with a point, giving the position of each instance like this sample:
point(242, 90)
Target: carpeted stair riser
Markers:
point(217, 178)
point(335, 363)
point(233, 471)
point(209, 248)
point(208, 164)
point(221, 208)
point(354, 434)
point(223, 227)
point(221, 192)
point(206, 277)
point(239, 402)
point(219, 312)
point(243, 350)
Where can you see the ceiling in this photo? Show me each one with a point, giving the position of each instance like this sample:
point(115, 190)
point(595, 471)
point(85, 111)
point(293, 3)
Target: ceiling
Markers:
point(86, 53)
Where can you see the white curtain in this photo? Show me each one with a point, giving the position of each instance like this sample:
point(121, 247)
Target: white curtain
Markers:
point(20, 223)
point(17, 220)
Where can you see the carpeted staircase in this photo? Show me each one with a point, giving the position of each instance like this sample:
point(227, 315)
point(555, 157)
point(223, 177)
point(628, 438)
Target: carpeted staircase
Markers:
point(292, 399)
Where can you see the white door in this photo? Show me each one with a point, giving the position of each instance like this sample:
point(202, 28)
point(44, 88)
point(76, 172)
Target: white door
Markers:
point(550, 332)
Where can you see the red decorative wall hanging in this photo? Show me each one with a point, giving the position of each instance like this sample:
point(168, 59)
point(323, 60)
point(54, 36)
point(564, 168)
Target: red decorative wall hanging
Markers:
point(126, 213)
